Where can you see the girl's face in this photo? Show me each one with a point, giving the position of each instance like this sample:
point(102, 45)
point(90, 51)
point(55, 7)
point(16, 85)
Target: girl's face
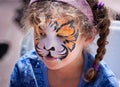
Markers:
point(57, 42)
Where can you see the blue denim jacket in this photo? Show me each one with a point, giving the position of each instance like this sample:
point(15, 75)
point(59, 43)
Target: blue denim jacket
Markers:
point(30, 71)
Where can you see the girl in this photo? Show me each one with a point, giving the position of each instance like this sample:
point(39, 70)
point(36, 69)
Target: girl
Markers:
point(63, 29)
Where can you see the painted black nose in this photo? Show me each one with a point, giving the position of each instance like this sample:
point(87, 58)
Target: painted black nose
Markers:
point(51, 49)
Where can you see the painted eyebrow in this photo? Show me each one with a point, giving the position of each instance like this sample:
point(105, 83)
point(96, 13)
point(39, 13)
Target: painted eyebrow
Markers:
point(67, 23)
point(40, 27)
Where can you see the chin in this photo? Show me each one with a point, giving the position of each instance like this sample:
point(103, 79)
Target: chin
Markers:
point(54, 66)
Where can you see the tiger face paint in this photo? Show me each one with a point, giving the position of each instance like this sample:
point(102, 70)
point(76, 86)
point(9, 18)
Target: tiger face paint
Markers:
point(55, 39)
point(69, 34)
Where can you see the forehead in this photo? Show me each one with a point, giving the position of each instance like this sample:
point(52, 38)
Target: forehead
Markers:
point(46, 19)
point(62, 26)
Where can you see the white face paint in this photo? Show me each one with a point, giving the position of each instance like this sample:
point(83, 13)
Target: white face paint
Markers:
point(50, 45)
point(55, 42)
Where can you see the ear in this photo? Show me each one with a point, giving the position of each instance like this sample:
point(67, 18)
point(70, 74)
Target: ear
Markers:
point(90, 38)
point(88, 41)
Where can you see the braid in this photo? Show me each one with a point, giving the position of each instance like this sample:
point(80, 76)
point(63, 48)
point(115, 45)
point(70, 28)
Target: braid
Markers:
point(102, 23)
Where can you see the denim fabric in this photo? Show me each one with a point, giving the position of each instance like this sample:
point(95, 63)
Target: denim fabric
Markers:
point(30, 71)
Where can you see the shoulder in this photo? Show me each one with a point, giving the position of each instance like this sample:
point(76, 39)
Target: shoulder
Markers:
point(105, 77)
point(27, 69)
point(28, 64)
point(27, 58)
point(29, 61)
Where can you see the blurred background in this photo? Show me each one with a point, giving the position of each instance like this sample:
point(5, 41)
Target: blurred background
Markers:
point(11, 36)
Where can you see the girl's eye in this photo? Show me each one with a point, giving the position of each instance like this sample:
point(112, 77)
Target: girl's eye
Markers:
point(60, 36)
point(42, 34)
point(65, 31)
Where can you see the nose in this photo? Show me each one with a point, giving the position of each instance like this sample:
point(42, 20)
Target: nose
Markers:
point(50, 49)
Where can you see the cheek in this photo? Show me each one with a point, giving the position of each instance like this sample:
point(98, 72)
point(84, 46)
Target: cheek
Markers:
point(75, 46)
point(38, 44)
point(70, 46)
point(36, 37)
point(75, 52)
point(70, 42)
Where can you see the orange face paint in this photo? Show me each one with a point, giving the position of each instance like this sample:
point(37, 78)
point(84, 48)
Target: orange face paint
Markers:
point(58, 34)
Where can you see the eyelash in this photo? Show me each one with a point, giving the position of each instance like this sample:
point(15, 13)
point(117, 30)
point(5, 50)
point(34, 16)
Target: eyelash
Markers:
point(62, 37)
point(42, 34)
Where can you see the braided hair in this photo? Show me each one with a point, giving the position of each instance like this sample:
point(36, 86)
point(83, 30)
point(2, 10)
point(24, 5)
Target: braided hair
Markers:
point(102, 23)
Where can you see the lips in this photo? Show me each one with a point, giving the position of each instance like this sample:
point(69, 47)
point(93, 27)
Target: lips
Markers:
point(49, 57)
